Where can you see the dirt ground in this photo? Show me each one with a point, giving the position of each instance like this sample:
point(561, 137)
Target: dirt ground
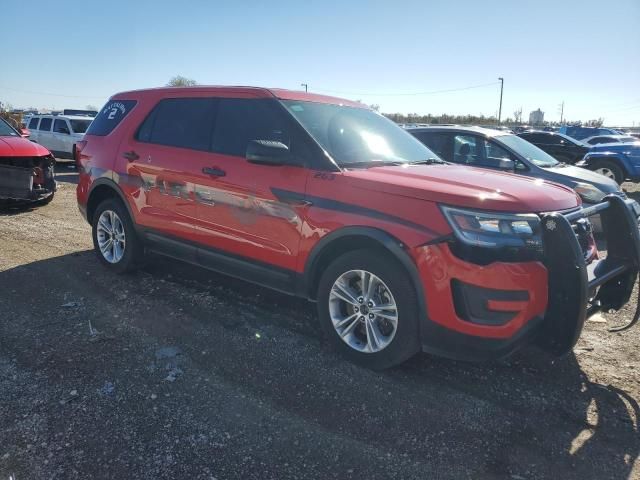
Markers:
point(175, 372)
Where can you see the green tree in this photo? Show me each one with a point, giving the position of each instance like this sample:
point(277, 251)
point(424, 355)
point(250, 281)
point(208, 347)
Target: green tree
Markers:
point(180, 81)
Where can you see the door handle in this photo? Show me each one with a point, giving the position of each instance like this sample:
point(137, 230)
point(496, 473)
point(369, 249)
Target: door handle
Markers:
point(131, 156)
point(214, 172)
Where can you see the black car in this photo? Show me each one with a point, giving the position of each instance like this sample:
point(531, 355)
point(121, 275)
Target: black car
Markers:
point(561, 147)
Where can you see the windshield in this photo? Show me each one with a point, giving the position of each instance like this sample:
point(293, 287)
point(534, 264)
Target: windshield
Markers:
point(357, 136)
point(80, 126)
point(528, 150)
point(6, 130)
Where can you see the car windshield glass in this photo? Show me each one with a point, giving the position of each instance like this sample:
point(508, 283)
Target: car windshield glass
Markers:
point(528, 150)
point(80, 126)
point(358, 136)
point(6, 130)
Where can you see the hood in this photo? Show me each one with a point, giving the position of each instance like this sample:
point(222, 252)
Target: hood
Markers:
point(469, 187)
point(21, 147)
point(569, 174)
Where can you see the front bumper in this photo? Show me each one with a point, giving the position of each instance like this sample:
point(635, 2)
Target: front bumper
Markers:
point(18, 183)
point(489, 311)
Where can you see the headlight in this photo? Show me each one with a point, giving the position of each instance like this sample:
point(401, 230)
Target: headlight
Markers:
point(495, 230)
point(588, 192)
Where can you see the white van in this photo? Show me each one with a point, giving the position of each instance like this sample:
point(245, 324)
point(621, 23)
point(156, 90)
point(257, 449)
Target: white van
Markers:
point(58, 133)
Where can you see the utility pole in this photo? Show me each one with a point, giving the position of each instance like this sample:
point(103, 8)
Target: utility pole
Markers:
point(500, 109)
point(306, 87)
point(561, 111)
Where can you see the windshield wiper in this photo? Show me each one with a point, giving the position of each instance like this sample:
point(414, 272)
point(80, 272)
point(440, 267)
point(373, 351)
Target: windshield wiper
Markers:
point(372, 163)
point(429, 161)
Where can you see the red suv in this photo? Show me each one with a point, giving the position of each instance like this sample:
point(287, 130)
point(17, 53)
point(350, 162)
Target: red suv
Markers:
point(325, 199)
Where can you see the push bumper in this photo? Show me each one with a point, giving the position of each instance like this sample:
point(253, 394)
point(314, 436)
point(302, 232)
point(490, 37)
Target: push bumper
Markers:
point(479, 312)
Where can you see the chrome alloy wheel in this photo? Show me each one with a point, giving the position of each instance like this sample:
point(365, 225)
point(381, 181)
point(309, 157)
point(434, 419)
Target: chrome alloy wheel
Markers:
point(111, 236)
point(363, 311)
point(607, 172)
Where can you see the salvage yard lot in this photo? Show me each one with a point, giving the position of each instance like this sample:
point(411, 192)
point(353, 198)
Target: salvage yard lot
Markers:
point(174, 372)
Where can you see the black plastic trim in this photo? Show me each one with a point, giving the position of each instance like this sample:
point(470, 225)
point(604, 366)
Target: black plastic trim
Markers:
point(253, 271)
point(470, 302)
point(444, 342)
point(329, 204)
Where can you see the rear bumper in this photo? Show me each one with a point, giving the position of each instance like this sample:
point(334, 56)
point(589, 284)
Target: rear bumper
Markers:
point(479, 312)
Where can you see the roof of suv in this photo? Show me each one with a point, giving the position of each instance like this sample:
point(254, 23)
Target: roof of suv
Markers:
point(490, 132)
point(260, 92)
point(69, 117)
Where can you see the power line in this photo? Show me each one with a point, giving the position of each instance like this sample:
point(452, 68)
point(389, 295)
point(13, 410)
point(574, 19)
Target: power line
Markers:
point(52, 94)
point(433, 92)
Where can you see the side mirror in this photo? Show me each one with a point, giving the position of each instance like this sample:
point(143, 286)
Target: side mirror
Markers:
point(506, 164)
point(25, 133)
point(267, 152)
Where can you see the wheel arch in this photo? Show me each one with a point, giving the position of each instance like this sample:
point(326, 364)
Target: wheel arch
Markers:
point(102, 189)
point(612, 157)
point(355, 238)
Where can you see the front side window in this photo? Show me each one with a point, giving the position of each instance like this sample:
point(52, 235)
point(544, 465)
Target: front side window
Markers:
point(528, 150)
point(494, 152)
point(241, 120)
point(180, 122)
point(6, 130)
point(356, 136)
point(45, 125)
point(60, 126)
point(465, 149)
point(33, 123)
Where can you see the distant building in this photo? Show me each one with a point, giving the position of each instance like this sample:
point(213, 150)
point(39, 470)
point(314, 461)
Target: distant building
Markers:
point(536, 117)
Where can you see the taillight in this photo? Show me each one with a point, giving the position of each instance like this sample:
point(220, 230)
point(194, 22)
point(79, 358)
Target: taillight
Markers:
point(79, 146)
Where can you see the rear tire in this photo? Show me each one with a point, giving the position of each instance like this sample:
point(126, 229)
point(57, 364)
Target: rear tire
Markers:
point(609, 169)
point(114, 237)
point(360, 322)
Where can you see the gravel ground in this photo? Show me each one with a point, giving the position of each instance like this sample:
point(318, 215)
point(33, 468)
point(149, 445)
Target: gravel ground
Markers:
point(175, 372)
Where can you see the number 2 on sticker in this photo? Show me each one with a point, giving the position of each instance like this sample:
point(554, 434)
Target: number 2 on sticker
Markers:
point(112, 113)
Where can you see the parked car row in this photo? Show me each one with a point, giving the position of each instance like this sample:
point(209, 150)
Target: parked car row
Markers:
point(619, 159)
point(396, 235)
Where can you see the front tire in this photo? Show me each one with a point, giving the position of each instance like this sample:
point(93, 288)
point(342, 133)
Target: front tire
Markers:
point(609, 169)
point(367, 307)
point(114, 237)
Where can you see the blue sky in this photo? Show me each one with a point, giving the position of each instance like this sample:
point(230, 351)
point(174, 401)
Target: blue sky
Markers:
point(587, 53)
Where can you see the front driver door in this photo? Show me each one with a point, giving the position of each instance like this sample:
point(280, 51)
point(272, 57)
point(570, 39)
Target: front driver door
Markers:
point(251, 215)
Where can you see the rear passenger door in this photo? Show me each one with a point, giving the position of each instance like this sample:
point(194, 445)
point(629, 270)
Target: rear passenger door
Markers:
point(164, 158)
point(253, 212)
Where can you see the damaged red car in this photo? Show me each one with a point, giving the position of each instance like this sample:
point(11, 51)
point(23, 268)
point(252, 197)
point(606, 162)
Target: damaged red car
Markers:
point(26, 168)
point(325, 199)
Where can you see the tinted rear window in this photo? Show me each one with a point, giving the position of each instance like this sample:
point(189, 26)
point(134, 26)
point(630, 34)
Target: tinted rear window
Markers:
point(180, 122)
point(110, 117)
